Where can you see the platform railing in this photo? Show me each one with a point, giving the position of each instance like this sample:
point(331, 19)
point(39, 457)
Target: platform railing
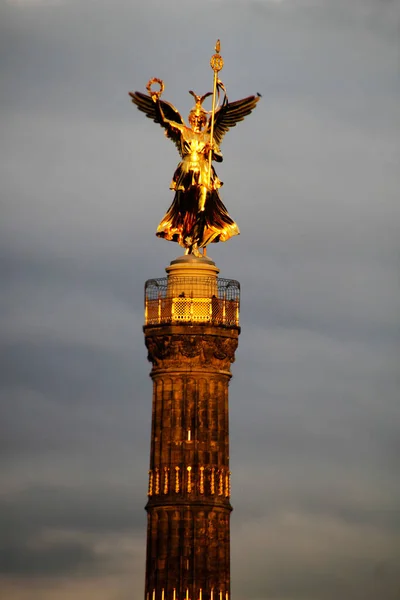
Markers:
point(214, 302)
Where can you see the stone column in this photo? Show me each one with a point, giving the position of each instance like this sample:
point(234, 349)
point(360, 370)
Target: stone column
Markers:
point(188, 546)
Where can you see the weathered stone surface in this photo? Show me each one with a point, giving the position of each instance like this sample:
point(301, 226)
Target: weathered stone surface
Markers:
point(184, 348)
point(189, 479)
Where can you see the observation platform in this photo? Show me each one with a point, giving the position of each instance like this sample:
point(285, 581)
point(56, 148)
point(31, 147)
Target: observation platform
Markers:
point(198, 297)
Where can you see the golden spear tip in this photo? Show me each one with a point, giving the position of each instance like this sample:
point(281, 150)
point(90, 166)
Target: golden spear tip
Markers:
point(218, 46)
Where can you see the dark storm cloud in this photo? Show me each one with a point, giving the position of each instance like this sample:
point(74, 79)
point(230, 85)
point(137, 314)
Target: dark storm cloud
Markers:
point(55, 530)
point(54, 560)
point(86, 509)
point(312, 179)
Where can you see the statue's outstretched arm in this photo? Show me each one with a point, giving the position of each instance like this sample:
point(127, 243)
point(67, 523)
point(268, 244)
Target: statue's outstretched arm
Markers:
point(161, 112)
point(171, 125)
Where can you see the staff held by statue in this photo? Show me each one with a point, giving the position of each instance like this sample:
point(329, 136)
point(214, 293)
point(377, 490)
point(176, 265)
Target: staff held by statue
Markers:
point(197, 215)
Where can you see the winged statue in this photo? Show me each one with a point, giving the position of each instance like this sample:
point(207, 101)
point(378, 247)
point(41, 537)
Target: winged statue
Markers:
point(197, 215)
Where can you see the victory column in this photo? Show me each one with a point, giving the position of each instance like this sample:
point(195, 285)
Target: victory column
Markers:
point(191, 333)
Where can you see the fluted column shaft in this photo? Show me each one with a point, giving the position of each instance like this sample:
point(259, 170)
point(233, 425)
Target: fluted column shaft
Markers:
point(188, 546)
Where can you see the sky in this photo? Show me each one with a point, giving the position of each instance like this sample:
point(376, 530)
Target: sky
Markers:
point(312, 179)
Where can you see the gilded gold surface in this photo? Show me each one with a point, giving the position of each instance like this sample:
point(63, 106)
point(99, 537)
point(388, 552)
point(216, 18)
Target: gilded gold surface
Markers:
point(227, 494)
point(212, 481)
point(216, 62)
point(197, 215)
point(152, 92)
point(196, 482)
point(221, 484)
point(176, 479)
point(165, 480)
point(201, 480)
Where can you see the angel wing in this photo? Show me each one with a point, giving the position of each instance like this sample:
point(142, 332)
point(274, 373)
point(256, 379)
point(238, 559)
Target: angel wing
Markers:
point(231, 113)
point(163, 113)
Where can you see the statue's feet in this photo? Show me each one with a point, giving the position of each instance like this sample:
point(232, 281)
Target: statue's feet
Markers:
point(196, 251)
point(192, 248)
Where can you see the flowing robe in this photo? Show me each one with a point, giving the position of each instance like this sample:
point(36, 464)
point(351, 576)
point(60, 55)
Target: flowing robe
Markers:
point(197, 216)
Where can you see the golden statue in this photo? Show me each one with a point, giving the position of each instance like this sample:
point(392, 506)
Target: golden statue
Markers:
point(197, 216)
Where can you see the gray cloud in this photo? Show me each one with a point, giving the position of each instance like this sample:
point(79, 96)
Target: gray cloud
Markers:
point(312, 179)
point(54, 559)
point(59, 530)
point(85, 509)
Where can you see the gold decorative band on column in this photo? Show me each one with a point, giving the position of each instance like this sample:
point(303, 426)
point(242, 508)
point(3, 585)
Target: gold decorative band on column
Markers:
point(212, 481)
point(166, 483)
point(160, 482)
point(201, 481)
point(221, 483)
